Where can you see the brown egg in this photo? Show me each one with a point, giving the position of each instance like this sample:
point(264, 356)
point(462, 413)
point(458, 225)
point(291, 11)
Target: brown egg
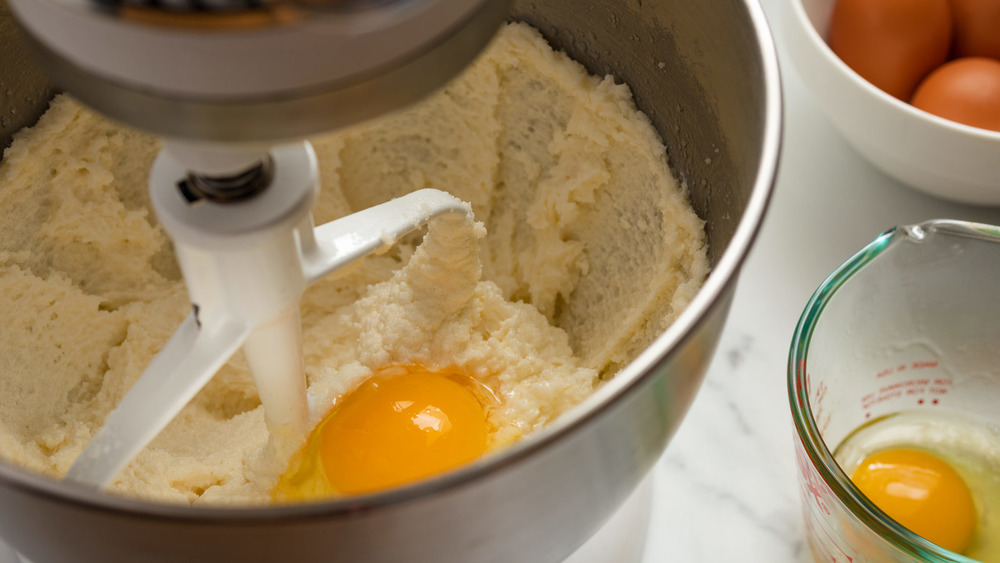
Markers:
point(893, 44)
point(977, 28)
point(965, 90)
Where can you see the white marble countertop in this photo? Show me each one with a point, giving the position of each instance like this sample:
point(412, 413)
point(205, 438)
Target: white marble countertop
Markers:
point(726, 488)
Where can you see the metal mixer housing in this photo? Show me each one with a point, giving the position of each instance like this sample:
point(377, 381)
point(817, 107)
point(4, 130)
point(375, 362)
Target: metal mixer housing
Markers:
point(254, 71)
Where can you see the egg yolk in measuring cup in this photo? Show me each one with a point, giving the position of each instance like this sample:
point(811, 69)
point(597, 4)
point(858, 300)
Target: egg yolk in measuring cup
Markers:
point(403, 424)
point(922, 493)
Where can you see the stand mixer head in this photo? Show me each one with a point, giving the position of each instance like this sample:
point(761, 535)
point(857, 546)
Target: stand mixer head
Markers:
point(266, 70)
point(228, 84)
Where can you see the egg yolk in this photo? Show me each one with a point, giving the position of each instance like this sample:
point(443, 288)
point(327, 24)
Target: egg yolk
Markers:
point(401, 425)
point(921, 492)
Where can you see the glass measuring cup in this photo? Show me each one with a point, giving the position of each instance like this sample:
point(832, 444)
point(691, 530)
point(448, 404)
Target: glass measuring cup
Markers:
point(912, 321)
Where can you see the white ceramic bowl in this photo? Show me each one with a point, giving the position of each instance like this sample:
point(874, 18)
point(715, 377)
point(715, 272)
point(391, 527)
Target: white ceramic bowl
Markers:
point(929, 153)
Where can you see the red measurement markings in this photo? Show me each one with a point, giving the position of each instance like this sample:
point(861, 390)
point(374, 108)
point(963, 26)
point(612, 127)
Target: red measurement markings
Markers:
point(813, 488)
point(825, 547)
point(816, 404)
point(904, 367)
point(821, 391)
point(914, 387)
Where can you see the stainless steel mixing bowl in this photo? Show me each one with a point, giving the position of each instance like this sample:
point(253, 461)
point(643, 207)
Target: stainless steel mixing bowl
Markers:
point(706, 74)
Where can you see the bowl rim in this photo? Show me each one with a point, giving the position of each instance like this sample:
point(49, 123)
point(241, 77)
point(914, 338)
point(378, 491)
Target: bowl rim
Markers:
point(641, 369)
point(820, 456)
point(816, 38)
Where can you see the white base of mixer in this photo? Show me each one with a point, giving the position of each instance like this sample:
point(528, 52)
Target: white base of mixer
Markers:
point(623, 537)
point(621, 540)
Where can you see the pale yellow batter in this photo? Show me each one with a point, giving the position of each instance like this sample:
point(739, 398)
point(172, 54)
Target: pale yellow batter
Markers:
point(592, 251)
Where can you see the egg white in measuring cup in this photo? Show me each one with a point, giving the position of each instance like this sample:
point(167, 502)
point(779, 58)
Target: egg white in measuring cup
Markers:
point(935, 472)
